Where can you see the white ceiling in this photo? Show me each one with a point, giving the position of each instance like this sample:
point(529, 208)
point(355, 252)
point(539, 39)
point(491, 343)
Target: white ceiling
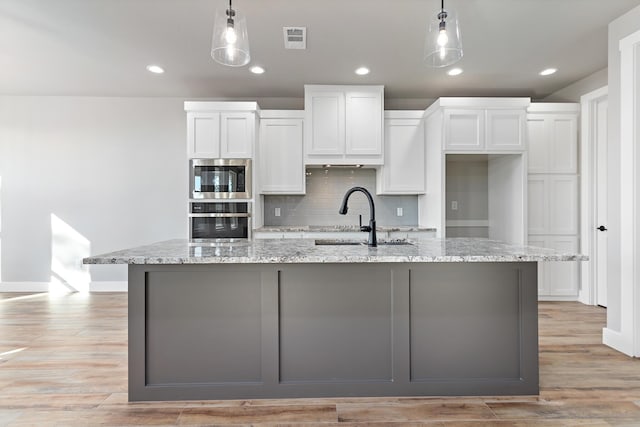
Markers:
point(101, 47)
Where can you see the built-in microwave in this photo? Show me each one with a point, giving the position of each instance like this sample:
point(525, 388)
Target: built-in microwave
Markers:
point(220, 178)
point(219, 220)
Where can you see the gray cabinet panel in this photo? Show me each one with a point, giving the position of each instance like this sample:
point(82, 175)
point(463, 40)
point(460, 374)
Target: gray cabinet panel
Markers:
point(335, 325)
point(462, 331)
point(203, 327)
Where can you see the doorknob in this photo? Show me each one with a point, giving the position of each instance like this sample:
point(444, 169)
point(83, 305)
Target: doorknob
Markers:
point(602, 228)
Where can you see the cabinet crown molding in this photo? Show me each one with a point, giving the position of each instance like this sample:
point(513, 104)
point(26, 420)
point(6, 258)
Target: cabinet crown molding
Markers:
point(554, 107)
point(227, 106)
point(478, 102)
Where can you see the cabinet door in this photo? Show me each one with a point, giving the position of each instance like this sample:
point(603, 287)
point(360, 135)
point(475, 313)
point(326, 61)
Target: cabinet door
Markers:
point(505, 130)
point(552, 143)
point(203, 135)
point(236, 135)
point(364, 122)
point(464, 130)
point(281, 162)
point(543, 283)
point(562, 277)
point(563, 143)
point(538, 143)
point(404, 159)
point(563, 204)
point(538, 218)
point(325, 118)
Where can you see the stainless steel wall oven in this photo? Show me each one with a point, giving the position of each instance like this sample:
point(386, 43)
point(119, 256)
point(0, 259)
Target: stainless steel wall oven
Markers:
point(224, 221)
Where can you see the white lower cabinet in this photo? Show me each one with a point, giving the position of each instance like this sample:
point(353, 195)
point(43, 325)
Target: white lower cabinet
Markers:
point(557, 278)
point(403, 171)
point(281, 156)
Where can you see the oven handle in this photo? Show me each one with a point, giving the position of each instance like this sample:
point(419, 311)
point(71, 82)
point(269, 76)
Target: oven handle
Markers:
point(220, 215)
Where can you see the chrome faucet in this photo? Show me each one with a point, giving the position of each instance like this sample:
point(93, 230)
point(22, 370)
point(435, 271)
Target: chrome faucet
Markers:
point(371, 228)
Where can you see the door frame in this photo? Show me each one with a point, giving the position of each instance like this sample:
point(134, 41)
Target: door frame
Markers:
point(588, 104)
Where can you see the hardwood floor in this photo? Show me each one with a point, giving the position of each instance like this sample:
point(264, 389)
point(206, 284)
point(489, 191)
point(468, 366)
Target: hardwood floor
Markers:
point(63, 361)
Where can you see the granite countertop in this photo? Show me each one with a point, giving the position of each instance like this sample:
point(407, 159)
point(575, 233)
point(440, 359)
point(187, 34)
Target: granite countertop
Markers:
point(303, 251)
point(334, 228)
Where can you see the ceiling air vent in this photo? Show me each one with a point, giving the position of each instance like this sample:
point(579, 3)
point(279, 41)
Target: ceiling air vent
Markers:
point(295, 37)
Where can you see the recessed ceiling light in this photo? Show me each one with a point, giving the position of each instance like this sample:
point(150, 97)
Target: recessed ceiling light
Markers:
point(548, 71)
point(155, 69)
point(455, 71)
point(256, 69)
point(362, 71)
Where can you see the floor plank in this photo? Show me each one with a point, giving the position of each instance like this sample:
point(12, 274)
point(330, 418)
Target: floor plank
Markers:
point(63, 361)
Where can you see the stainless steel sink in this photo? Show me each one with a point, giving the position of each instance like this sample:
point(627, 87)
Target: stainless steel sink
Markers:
point(340, 242)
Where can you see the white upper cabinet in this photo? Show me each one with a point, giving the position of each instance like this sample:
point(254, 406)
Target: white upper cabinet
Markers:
point(553, 138)
point(221, 129)
point(280, 152)
point(487, 125)
point(363, 114)
point(506, 130)
point(343, 124)
point(203, 135)
point(404, 168)
point(237, 135)
point(325, 114)
point(464, 130)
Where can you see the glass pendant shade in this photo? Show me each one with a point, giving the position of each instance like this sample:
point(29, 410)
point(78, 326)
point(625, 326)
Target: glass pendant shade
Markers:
point(443, 45)
point(230, 41)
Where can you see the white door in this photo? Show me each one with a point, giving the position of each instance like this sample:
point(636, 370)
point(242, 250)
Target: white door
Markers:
point(600, 180)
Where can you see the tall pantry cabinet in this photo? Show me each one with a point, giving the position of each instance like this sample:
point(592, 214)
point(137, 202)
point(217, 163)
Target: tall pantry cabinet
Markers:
point(553, 207)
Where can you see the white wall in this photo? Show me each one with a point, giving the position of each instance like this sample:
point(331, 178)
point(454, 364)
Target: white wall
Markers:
point(618, 29)
point(574, 91)
point(113, 169)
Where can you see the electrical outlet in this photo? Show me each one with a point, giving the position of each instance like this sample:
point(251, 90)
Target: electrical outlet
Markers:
point(454, 205)
point(276, 212)
point(399, 211)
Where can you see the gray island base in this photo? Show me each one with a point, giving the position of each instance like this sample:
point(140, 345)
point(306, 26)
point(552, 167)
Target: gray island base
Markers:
point(221, 328)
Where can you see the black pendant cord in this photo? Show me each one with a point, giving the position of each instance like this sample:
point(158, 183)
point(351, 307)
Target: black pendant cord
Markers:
point(230, 15)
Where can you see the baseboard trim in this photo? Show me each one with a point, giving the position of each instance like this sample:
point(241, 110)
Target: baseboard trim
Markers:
point(99, 286)
point(122, 286)
point(24, 287)
point(616, 341)
point(558, 298)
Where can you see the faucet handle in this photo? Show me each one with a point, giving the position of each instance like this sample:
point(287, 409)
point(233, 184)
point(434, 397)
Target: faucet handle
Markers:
point(363, 227)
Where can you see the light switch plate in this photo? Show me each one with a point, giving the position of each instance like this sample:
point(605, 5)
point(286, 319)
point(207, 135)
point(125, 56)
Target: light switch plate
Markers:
point(399, 211)
point(276, 211)
point(454, 205)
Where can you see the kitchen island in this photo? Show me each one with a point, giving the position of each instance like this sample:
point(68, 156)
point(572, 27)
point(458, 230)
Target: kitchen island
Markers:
point(289, 318)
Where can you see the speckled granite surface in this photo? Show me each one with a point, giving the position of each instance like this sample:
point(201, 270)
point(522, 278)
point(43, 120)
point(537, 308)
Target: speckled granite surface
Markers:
point(334, 228)
point(280, 251)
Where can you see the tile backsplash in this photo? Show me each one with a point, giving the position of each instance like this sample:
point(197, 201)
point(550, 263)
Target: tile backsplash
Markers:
point(326, 188)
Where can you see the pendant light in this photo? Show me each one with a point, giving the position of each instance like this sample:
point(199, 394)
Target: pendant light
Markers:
point(230, 42)
point(443, 44)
